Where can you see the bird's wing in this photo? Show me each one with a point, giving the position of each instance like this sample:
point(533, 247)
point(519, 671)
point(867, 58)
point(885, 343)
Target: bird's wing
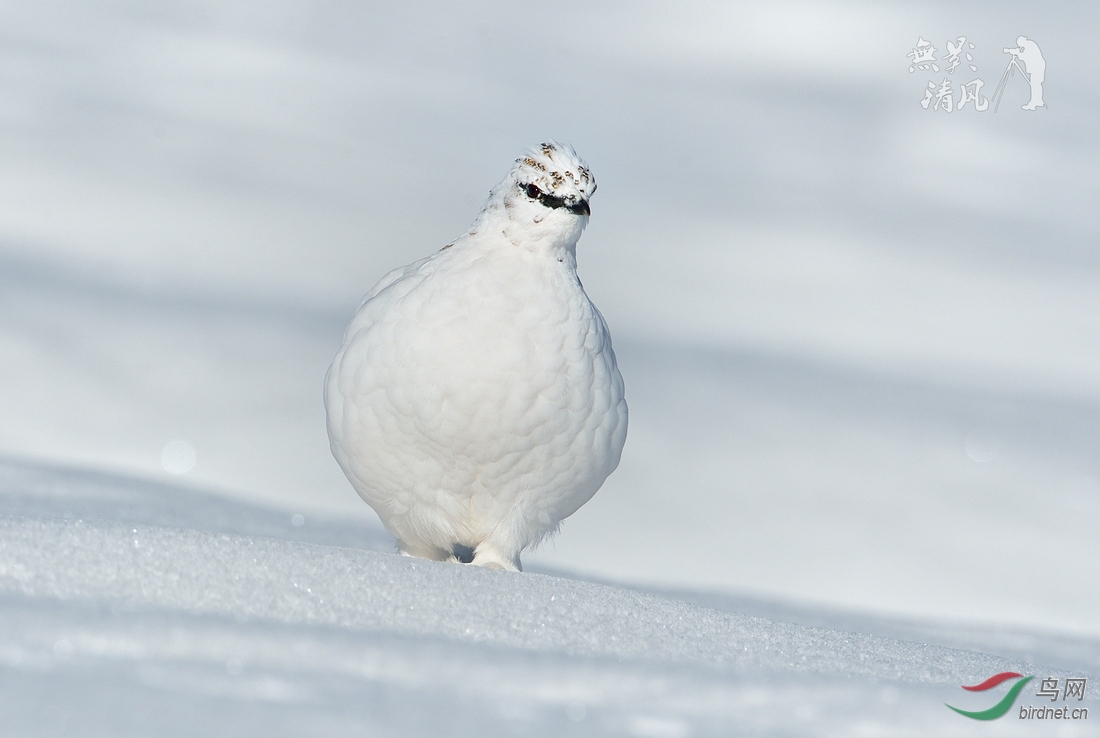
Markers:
point(395, 276)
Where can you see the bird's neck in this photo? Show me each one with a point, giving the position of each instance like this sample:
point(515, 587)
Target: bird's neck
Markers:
point(499, 228)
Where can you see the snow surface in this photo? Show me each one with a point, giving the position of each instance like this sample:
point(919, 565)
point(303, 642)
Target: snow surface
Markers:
point(859, 340)
point(135, 608)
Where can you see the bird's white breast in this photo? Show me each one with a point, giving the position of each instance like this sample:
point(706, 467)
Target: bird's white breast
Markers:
point(475, 389)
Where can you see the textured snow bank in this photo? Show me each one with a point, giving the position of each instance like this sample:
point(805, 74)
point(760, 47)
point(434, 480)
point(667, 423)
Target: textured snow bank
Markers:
point(154, 609)
point(255, 578)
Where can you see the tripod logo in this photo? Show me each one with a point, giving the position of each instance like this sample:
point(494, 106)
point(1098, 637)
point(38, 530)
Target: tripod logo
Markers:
point(1025, 58)
point(1029, 61)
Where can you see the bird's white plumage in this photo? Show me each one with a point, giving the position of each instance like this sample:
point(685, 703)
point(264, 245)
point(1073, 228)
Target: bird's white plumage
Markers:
point(476, 402)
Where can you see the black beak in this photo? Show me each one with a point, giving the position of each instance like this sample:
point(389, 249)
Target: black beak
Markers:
point(581, 208)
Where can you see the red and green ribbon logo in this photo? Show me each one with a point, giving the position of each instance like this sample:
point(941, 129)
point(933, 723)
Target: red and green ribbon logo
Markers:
point(1006, 702)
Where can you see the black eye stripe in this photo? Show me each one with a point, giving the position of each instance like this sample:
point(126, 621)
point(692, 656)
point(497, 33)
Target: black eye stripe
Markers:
point(550, 201)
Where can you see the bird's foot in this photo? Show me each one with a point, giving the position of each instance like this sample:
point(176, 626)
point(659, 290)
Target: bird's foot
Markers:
point(491, 558)
point(423, 552)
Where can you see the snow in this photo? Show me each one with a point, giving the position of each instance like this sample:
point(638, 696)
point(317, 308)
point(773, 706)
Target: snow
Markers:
point(859, 341)
point(159, 609)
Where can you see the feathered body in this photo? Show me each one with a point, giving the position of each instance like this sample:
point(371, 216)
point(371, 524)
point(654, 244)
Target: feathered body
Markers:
point(476, 402)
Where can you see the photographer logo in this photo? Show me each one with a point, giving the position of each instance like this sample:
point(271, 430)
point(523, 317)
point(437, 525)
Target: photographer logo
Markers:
point(1025, 58)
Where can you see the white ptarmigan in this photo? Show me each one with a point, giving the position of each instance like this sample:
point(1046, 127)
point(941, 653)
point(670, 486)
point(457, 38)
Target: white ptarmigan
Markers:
point(476, 402)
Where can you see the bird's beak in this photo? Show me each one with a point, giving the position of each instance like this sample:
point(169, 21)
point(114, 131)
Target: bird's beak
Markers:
point(580, 207)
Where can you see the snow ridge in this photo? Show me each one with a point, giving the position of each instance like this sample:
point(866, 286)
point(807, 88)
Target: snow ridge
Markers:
point(250, 630)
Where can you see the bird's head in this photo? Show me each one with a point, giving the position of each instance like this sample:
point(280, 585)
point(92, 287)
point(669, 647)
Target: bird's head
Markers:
point(544, 197)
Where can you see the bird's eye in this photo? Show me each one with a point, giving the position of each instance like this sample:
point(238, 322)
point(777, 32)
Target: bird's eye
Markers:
point(532, 191)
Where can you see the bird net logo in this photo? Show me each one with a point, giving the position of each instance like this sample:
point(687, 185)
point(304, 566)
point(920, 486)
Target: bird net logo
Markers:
point(1073, 689)
point(1023, 75)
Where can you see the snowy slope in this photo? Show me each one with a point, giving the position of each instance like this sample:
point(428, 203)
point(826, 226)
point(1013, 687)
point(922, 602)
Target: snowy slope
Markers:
point(130, 608)
point(859, 337)
point(859, 340)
